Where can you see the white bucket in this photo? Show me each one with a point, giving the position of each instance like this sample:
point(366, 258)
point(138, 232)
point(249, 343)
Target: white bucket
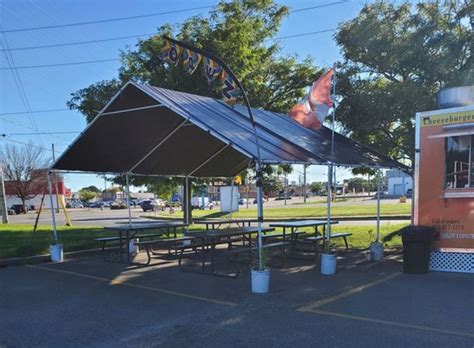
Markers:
point(260, 280)
point(56, 252)
point(376, 251)
point(132, 248)
point(328, 264)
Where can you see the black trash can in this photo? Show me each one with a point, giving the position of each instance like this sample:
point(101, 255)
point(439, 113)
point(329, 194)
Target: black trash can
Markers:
point(417, 248)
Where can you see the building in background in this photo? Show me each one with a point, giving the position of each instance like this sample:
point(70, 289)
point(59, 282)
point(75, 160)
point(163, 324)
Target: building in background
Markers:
point(398, 182)
point(37, 191)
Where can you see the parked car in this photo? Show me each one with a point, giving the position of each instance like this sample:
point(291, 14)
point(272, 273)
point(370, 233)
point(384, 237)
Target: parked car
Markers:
point(200, 203)
point(409, 193)
point(10, 212)
point(151, 205)
point(74, 204)
point(118, 205)
point(19, 209)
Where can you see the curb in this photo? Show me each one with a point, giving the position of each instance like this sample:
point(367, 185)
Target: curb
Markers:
point(29, 260)
point(340, 218)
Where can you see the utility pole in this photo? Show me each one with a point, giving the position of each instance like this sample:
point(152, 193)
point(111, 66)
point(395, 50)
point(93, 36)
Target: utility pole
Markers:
point(3, 198)
point(55, 183)
point(304, 183)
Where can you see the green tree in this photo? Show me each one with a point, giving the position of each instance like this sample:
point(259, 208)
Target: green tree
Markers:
point(241, 33)
point(316, 188)
point(163, 187)
point(91, 188)
point(86, 195)
point(396, 57)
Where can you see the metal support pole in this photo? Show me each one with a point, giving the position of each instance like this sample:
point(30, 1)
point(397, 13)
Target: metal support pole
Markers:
point(285, 188)
point(231, 197)
point(53, 215)
point(304, 183)
point(247, 183)
point(328, 222)
point(186, 201)
point(378, 206)
point(128, 200)
point(55, 181)
point(259, 212)
point(258, 164)
point(3, 198)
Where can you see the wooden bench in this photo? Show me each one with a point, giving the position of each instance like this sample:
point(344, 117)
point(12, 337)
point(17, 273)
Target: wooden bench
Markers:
point(344, 235)
point(177, 242)
point(104, 240)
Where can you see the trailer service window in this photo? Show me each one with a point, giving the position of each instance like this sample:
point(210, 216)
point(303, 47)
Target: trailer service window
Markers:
point(459, 161)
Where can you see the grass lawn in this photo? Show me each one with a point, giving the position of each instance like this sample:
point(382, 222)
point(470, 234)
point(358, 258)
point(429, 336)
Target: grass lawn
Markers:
point(303, 212)
point(20, 240)
point(363, 235)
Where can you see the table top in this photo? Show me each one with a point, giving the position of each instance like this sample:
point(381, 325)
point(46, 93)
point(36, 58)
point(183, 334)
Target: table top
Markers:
point(302, 223)
point(223, 221)
point(229, 232)
point(145, 226)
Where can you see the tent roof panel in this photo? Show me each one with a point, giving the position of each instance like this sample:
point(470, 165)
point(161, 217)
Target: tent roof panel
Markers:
point(147, 130)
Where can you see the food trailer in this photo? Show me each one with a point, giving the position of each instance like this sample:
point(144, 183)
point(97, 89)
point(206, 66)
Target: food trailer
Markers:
point(444, 179)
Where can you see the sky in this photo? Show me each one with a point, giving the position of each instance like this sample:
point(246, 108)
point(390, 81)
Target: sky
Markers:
point(27, 85)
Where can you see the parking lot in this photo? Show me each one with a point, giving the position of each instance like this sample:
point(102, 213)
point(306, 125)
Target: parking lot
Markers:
point(96, 303)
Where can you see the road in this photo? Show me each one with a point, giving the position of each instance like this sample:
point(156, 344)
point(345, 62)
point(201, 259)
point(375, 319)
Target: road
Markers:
point(107, 217)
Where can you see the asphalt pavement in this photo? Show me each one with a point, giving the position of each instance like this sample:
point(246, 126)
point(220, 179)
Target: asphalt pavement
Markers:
point(89, 302)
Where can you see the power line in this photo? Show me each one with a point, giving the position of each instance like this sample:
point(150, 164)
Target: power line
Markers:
point(33, 112)
point(20, 86)
point(106, 20)
point(319, 6)
point(150, 15)
point(38, 133)
point(26, 144)
point(304, 34)
point(75, 43)
point(117, 59)
point(63, 64)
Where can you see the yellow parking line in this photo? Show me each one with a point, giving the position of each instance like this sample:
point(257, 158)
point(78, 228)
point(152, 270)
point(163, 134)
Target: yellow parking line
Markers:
point(316, 304)
point(393, 323)
point(131, 285)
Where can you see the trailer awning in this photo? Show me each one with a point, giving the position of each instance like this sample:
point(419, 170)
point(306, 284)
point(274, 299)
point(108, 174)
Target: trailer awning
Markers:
point(455, 130)
point(145, 130)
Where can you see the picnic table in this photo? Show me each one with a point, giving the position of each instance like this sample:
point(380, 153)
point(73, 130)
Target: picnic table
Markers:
point(209, 239)
point(294, 225)
point(128, 232)
point(212, 223)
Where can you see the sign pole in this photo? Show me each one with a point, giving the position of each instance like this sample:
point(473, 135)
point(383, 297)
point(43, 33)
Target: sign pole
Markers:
point(3, 198)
